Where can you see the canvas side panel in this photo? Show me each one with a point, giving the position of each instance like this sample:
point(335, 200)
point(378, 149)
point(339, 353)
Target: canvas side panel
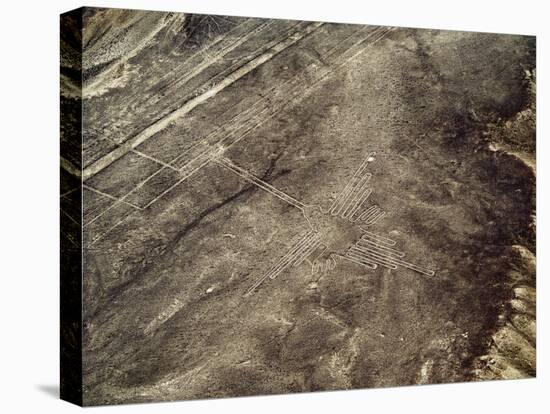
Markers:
point(71, 206)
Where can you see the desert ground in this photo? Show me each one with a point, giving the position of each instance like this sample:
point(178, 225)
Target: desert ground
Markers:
point(275, 206)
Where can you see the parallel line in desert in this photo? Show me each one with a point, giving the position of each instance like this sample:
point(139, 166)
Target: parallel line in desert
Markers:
point(380, 259)
point(290, 255)
point(368, 218)
point(358, 202)
point(208, 153)
point(141, 154)
point(265, 103)
point(362, 262)
point(70, 217)
point(70, 238)
point(237, 63)
point(184, 176)
point(390, 262)
point(360, 189)
point(352, 185)
point(373, 258)
point(327, 71)
point(372, 210)
point(107, 231)
point(367, 244)
point(285, 261)
point(236, 120)
point(298, 261)
point(204, 63)
point(147, 133)
point(109, 196)
point(312, 241)
point(192, 103)
point(297, 95)
point(226, 71)
point(344, 194)
point(372, 249)
point(241, 172)
point(146, 98)
point(382, 32)
point(66, 193)
point(219, 48)
point(377, 238)
point(239, 120)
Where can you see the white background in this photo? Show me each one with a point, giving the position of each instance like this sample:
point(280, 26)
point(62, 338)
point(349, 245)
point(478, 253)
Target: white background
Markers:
point(29, 216)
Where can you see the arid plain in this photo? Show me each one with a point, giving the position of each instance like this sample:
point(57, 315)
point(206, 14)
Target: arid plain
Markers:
point(274, 206)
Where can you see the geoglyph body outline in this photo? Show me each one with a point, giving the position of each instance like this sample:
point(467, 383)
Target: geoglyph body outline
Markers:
point(371, 250)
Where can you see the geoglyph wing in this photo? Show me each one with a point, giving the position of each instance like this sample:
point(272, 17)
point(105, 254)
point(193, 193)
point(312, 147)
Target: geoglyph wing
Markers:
point(349, 203)
point(373, 250)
